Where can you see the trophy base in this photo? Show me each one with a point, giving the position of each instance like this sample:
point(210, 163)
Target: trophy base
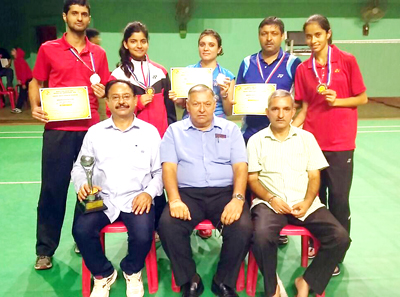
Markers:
point(92, 203)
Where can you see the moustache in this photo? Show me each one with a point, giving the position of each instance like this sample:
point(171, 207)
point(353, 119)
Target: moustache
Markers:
point(123, 105)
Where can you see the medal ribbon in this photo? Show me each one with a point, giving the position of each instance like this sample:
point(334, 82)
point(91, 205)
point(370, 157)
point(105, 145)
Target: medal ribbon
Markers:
point(273, 70)
point(93, 69)
point(146, 83)
point(329, 69)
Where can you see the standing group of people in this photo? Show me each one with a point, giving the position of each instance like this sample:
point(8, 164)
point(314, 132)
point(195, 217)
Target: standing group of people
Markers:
point(202, 160)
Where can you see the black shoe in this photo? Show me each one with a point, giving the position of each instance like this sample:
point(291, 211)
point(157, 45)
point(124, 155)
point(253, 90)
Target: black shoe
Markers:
point(283, 239)
point(222, 290)
point(194, 288)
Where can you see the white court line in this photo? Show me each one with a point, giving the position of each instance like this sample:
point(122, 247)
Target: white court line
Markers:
point(28, 137)
point(378, 126)
point(17, 183)
point(25, 132)
point(388, 131)
point(23, 183)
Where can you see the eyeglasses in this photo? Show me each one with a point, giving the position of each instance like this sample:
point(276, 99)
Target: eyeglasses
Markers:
point(125, 97)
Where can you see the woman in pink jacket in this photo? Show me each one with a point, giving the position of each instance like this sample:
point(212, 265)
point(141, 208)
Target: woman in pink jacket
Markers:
point(24, 76)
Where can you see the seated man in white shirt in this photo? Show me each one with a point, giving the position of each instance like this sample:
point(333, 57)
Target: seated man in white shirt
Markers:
point(127, 171)
point(284, 175)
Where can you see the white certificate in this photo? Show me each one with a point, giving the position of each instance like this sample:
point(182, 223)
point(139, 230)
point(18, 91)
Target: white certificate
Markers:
point(252, 98)
point(183, 78)
point(65, 104)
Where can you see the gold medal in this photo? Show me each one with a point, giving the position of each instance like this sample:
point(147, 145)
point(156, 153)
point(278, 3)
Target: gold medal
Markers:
point(321, 88)
point(150, 91)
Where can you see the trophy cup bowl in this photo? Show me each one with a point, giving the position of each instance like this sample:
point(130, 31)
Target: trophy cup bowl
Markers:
point(93, 201)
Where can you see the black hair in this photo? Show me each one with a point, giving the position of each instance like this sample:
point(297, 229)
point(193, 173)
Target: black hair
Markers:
point(213, 33)
point(322, 21)
point(113, 82)
point(92, 32)
point(68, 3)
point(134, 27)
point(272, 20)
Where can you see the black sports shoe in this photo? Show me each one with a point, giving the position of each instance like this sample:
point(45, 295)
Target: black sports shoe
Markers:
point(222, 290)
point(194, 288)
point(283, 239)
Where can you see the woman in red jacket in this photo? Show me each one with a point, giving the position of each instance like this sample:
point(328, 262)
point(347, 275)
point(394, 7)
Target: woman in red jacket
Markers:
point(24, 76)
point(330, 87)
point(150, 79)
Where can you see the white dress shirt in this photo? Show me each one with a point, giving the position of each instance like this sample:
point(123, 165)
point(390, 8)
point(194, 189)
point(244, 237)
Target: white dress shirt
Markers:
point(127, 163)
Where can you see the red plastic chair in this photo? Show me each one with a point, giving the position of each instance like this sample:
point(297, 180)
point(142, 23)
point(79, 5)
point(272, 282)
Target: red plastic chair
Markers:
point(9, 93)
point(151, 261)
point(207, 225)
point(252, 267)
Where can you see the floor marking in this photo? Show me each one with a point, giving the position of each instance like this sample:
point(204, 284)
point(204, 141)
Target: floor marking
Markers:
point(17, 183)
point(23, 132)
point(28, 137)
point(378, 126)
point(387, 131)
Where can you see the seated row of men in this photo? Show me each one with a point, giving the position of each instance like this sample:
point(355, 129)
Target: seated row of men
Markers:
point(203, 164)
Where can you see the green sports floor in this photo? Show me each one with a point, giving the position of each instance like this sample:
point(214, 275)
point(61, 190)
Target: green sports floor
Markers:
point(371, 267)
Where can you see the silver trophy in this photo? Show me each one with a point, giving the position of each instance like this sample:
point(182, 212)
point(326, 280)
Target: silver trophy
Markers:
point(93, 201)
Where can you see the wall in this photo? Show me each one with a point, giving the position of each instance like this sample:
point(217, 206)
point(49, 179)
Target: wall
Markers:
point(236, 21)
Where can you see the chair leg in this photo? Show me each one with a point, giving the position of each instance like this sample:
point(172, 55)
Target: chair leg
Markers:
point(174, 286)
point(304, 250)
point(11, 96)
point(240, 280)
point(252, 273)
point(86, 279)
point(151, 269)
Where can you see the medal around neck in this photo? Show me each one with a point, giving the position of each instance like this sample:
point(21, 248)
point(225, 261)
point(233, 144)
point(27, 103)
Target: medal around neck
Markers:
point(321, 88)
point(93, 201)
point(220, 79)
point(95, 79)
point(150, 91)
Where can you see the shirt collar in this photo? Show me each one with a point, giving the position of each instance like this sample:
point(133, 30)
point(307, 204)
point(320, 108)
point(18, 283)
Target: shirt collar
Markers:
point(66, 46)
point(109, 123)
point(334, 56)
point(187, 124)
point(268, 133)
point(260, 57)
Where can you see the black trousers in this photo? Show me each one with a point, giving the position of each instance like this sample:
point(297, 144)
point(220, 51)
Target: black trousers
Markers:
point(321, 223)
point(159, 204)
point(86, 232)
point(23, 95)
point(205, 203)
point(335, 186)
point(9, 74)
point(59, 152)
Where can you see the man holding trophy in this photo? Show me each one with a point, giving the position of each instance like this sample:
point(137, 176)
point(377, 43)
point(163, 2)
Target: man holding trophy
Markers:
point(117, 175)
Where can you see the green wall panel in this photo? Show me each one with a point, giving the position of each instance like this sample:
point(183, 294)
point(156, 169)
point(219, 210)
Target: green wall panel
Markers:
point(236, 21)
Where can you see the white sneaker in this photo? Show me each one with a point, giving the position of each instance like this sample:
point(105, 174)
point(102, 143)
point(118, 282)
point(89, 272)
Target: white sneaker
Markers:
point(102, 286)
point(134, 285)
point(281, 287)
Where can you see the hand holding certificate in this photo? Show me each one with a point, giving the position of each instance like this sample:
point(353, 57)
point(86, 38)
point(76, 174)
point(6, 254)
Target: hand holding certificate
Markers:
point(65, 104)
point(182, 79)
point(252, 98)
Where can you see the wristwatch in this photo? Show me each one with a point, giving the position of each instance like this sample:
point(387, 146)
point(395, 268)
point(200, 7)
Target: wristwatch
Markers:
point(238, 196)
